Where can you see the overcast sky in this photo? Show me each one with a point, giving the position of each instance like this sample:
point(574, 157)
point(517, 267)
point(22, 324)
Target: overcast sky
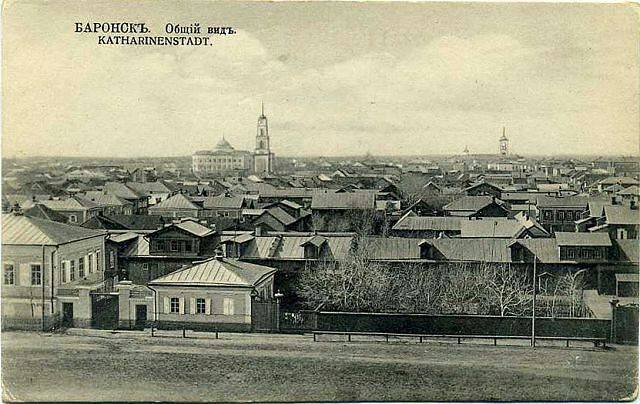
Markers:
point(336, 79)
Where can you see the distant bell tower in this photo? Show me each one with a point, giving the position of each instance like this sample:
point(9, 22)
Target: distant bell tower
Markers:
point(262, 157)
point(504, 143)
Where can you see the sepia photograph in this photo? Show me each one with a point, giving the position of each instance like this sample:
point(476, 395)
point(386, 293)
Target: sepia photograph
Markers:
point(320, 201)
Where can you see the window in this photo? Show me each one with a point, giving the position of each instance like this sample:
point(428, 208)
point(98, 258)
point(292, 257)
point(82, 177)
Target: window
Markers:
point(90, 258)
point(622, 234)
point(571, 254)
point(72, 270)
point(97, 260)
point(201, 306)
point(175, 305)
point(174, 245)
point(160, 245)
point(63, 275)
point(570, 215)
point(187, 246)
point(73, 218)
point(586, 253)
point(228, 309)
point(548, 215)
point(81, 267)
point(9, 274)
point(145, 266)
point(597, 253)
point(112, 259)
point(560, 215)
point(36, 274)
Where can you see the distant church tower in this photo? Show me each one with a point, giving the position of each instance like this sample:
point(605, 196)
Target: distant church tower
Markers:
point(504, 144)
point(263, 159)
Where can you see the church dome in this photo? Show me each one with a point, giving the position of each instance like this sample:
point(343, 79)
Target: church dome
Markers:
point(223, 145)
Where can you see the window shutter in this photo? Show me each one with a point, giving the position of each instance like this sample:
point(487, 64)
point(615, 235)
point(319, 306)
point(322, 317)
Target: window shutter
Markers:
point(208, 308)
point(167, 305)
point(192, 306)
point(182, 305)
point(24, 275)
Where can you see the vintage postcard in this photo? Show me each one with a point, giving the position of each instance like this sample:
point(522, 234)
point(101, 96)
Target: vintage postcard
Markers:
point(290, 201)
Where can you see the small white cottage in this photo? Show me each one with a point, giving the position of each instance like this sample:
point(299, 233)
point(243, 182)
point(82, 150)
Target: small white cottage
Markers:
point(215, 294)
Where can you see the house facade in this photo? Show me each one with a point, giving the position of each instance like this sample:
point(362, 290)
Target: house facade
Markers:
point(215, 294)
point(49, 271)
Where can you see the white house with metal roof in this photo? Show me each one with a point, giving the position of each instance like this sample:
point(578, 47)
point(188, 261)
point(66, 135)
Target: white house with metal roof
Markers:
point(214, 294)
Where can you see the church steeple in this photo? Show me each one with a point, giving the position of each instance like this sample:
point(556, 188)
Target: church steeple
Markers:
point(263, 158)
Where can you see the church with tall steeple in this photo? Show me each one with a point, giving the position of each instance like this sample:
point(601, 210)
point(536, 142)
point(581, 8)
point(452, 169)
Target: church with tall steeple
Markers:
point(263, 158)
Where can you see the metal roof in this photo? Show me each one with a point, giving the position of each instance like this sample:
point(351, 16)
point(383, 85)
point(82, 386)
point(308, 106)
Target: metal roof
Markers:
point(217, 272)
point(582, 239)
point(193, 227)
point(501, 228)
point(617, 214)
point(177, 201)
point(425, 223)
point(544, 201)
point(19, 229)
point(223, 202)
point(473, 249)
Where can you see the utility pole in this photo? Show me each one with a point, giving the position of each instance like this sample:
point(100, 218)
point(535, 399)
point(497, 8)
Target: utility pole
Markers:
point(533, 305)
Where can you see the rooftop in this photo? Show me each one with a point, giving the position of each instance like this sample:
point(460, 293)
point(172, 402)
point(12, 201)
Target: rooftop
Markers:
point(24, 230)
point(217, 272)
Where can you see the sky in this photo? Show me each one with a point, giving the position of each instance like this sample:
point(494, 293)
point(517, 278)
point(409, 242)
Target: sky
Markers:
point(336, 79)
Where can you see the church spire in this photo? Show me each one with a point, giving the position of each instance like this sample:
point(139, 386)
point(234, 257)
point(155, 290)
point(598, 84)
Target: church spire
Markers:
point(262, 109)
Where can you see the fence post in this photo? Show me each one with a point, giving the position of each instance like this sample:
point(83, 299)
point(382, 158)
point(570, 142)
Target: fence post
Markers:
point(184, 332)
point(612, 336)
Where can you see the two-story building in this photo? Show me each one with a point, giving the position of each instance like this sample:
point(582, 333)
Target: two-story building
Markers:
point(145, 257)
point(560, 213)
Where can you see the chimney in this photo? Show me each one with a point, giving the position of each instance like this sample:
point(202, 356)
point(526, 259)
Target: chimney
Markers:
point(633, 204)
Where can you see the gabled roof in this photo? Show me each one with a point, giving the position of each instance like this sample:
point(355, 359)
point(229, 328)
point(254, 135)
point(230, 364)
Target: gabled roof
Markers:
point(224, 202)
point(583, 239)
point(630, 250)
point(42, 212)
point(618, 214)
point(146, 188)
point(316, 241)
point(472, 249)
point(562, 202)
point(280, 215)
point(471, 203)
point(191, 226)
point(101, 199)
point(545, 249)
point(217, 272)
point(121, 190)
point(344, 200)
point(493, 228)
point(19, 229)
point(426, 223)
point(177, 201)
point(73, 203)
point(290, 204)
